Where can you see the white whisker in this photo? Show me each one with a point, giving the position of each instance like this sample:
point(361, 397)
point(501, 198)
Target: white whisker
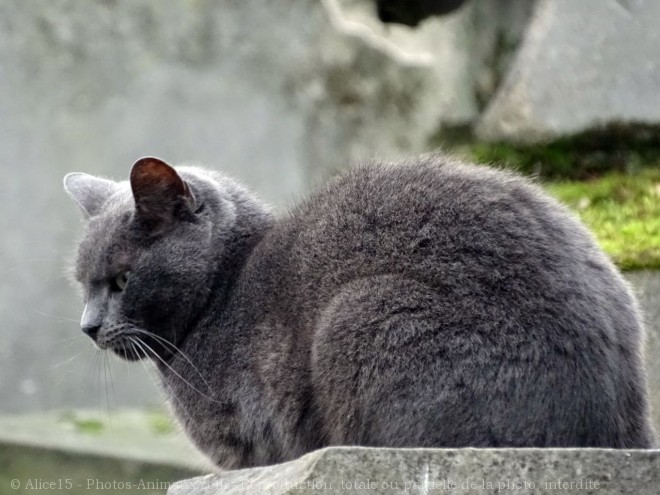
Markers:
point(142, 343)
point(182, 410)
point(179, 351)
point(59, 319)
point(64, 363)
point(112, 387)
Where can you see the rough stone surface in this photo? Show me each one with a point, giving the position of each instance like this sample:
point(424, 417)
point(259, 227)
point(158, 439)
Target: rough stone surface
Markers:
point(468, 50)
point(465, 471)
point(497, 31)
point(374, 89)
point(582, 65)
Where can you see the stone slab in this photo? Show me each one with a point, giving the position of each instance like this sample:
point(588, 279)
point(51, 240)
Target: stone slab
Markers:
point(437, 471)
point(582, 65)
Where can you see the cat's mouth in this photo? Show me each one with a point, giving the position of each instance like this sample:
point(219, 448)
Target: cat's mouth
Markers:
point(133, 344)
point(129, 353)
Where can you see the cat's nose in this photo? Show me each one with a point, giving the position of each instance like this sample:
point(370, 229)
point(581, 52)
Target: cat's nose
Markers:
point(91, 330)
point(92, 319)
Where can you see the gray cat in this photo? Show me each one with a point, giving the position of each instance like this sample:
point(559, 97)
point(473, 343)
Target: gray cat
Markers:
point(428, 304)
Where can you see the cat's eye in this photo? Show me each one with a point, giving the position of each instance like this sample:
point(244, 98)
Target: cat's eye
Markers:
point(119, 282)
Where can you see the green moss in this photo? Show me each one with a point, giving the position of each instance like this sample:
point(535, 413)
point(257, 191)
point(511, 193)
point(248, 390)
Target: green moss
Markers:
point(623, 211)
point(156, 420)
point(585, 156)
point(161, 423)
point(86, 425)
point(562, 160)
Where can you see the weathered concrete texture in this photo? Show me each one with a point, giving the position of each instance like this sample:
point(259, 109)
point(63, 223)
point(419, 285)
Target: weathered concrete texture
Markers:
point(582, 65)
point(266, 86)
point(369, 89)
point(466, 471)
point(647, 287)
point(497, 31)
point(468, 51)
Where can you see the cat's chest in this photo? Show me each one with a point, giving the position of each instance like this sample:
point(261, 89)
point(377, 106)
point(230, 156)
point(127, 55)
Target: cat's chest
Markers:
point(208, 416)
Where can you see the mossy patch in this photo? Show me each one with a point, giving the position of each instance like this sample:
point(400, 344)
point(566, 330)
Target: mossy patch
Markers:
point(623, 210)
point(625, 149)
point(161, 423)
point(154, 420)
point(83, 424)
point(560, 161)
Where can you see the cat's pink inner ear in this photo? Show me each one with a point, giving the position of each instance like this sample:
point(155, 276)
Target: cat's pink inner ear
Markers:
point(157, 187)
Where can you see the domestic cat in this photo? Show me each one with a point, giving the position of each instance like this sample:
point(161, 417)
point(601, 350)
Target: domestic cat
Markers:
point(429, 303)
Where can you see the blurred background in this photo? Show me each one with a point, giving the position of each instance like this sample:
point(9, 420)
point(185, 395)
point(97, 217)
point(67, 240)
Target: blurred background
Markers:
point(281, 95)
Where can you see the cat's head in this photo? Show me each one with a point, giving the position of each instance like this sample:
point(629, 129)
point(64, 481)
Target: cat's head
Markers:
point(149, 253)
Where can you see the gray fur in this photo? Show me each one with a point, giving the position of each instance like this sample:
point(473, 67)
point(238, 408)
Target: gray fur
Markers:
point(426, 304)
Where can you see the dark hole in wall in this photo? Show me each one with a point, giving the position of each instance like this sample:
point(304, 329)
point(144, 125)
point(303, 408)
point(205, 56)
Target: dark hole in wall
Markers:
point(412, 12)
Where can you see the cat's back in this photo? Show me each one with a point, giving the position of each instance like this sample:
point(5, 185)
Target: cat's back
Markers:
point(436, 220)
point(489, 243)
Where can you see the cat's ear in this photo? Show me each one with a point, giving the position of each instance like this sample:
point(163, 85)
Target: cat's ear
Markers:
point(88, 192)
point(160, 194)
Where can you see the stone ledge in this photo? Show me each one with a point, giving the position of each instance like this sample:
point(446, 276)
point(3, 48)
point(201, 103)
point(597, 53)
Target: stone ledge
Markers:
point(568, 76)
point(81, 452)
point(126, 435)
point(360, 470)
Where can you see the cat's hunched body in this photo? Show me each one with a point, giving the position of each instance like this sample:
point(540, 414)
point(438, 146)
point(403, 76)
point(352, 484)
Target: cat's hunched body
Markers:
point(429, 303)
